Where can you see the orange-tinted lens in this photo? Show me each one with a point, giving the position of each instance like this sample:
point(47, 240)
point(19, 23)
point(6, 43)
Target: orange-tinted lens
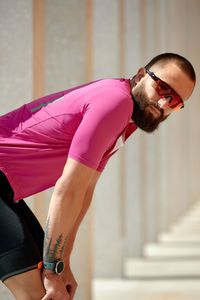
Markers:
point(175, 103)
point(164, 90)
point(161, 88)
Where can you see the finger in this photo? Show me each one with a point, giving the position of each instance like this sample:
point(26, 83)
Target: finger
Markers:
point(69, 288)
point(72, 296)
point(70, 291)
point(46, 297)
point(73, 291)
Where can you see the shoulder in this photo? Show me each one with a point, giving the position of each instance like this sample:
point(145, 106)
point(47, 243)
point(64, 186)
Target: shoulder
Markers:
point(111, 92)
point(113, 84)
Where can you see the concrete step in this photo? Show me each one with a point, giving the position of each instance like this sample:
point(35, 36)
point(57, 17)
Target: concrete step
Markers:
point(119, 289)
point(189, 219)
point(162, 250)
point(168, 237)
point(186, 228)
point(146, 269)
point(194, 211)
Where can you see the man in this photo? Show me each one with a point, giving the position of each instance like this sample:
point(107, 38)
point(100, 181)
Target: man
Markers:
point(66, 139)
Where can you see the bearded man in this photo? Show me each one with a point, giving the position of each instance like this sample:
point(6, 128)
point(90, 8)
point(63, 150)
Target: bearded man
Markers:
point(65, 140)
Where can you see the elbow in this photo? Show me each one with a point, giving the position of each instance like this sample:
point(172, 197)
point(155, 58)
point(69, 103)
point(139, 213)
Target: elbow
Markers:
point(68, 190)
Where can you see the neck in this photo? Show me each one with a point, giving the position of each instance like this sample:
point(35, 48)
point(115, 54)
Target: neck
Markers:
point(131, 84)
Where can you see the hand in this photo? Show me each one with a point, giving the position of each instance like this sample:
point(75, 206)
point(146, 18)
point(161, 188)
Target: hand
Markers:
point(69, 281)
point(54, 286)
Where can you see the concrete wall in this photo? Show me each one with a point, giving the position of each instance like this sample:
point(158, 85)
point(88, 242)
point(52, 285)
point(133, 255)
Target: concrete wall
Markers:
point(161, 169)
point(16, 53)
point(154, 180)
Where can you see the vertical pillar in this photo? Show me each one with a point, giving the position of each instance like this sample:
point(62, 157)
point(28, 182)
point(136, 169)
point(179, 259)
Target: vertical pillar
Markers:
point(122, 152)
point(90, 214)
point(176, 134)
point(133, 172)
point(39, 83)
point(69, 63)
point(16, 64)
point(193, 105)
point(152, 140)
point(143, 135)
point(164, 175)
point(107, 203)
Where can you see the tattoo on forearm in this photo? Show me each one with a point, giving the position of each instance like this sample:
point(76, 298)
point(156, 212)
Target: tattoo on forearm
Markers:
point(54, 251)
point(46, 234)
point(63, 247)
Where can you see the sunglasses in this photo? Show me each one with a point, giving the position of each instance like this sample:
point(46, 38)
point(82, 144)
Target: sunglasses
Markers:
point(164, 90)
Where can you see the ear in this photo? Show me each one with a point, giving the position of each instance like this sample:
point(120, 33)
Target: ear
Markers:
point(140, 74)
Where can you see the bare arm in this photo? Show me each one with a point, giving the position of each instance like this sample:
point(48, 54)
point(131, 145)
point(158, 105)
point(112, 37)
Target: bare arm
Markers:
point(67, 276)
point(67, 208)
point(86, 203)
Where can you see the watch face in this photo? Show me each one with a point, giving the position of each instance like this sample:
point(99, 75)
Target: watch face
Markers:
point(59, 267)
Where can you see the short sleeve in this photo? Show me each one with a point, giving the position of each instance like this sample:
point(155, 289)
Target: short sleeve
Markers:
point(104, 162)
point(105, 117)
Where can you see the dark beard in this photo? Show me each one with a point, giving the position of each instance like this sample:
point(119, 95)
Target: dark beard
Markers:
point(142, 117)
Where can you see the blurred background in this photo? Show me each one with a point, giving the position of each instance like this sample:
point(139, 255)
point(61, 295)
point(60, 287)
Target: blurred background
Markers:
point(141, 236)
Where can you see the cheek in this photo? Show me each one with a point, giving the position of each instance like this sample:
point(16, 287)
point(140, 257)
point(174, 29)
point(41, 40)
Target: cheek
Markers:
point(151, 92)
point(167, 110)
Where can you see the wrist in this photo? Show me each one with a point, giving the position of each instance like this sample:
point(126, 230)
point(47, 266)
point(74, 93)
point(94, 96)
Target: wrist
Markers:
point(66, 259)
point(49, 274)
point(56, 267)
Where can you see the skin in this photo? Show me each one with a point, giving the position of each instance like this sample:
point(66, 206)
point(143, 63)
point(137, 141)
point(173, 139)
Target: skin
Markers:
point(72, 196)
point(70, 201)
point(34, 285)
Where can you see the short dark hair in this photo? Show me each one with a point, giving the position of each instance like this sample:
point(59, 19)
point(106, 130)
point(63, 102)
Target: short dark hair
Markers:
point(181, 61)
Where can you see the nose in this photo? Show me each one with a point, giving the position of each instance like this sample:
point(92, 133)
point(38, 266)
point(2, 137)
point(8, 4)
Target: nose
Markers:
point(163, 103)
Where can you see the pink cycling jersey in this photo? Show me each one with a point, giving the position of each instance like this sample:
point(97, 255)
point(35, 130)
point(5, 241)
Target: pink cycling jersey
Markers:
point(84, 123)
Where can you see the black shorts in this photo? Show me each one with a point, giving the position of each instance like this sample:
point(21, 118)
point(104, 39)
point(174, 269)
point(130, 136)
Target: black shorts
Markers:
point(21, 236)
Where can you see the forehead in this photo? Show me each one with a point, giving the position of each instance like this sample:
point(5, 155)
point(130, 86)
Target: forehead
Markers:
point(175, 77)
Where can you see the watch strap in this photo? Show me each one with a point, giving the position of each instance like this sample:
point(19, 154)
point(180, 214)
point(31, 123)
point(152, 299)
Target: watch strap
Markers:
point(56, 267)
point(49, 265)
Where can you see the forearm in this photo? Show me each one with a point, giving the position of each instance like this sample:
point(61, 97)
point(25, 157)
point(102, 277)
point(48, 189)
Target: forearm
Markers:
point(63, 212)
point(70, 242)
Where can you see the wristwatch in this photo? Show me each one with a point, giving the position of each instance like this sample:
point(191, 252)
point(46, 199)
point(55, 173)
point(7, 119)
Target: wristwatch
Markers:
point(57, 266)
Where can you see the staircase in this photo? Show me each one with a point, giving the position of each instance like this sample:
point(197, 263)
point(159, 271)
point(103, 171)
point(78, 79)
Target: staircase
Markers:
point(169, 270)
